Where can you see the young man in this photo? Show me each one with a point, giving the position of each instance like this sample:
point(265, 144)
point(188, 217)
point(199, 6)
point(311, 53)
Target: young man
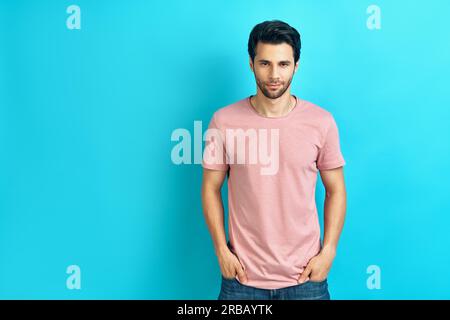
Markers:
point(274, 249)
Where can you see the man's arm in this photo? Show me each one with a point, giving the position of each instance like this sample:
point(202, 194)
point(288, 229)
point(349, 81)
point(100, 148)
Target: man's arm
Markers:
point(334, 215)
point(213, 207)
point(214, 215)
point(334, 207)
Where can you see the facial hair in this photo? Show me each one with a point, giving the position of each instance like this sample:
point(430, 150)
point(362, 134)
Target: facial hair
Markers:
point(273, 94)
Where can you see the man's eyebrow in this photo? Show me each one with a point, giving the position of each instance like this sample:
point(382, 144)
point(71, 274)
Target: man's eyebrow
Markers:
point(282, 61)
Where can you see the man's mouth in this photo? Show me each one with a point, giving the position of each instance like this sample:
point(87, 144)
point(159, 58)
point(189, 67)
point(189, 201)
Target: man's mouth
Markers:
point(273, 86)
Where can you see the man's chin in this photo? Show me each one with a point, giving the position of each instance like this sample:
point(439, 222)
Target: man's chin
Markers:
point(273, 95)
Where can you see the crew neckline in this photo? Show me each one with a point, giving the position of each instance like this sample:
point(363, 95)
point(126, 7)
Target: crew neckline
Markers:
point(293, 110)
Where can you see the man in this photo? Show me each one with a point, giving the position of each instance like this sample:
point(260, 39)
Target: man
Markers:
point(274, 249)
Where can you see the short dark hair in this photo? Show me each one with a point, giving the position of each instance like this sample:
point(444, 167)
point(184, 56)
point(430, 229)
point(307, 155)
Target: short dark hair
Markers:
point(274, 32)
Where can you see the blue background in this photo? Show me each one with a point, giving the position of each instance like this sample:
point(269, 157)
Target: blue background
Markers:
point(86, 117)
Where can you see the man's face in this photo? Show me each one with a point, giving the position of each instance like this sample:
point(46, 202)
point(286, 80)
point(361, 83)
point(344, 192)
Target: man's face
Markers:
point(273, 68)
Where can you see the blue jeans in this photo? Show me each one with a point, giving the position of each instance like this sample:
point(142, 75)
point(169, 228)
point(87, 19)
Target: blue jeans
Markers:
point(232, 289)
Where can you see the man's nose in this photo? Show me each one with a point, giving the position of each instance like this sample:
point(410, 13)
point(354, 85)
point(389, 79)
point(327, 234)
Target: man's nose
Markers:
point(274, 74)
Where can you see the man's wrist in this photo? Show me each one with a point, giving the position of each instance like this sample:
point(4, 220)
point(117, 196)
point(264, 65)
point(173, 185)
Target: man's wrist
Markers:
point(221, 250)
point(329, 250)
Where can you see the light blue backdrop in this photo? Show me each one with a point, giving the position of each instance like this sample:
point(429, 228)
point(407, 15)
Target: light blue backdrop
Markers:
point(86, 118)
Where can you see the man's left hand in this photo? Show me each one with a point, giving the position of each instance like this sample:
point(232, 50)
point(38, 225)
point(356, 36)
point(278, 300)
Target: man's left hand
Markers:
point(318, 267)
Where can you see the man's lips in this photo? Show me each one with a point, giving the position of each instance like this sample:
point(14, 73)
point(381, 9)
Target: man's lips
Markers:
point(273, 86)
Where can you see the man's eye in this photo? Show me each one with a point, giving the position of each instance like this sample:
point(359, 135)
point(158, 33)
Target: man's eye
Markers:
point(264, 63)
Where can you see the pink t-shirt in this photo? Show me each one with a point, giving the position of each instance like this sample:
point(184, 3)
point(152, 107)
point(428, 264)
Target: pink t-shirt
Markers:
point(273, 222)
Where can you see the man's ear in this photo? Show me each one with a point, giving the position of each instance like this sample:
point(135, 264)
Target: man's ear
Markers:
point(251, 64)
point(296, 66)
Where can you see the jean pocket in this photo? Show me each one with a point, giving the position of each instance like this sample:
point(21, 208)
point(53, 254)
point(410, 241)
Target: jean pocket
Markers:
point(228, 279)
point(318, 282)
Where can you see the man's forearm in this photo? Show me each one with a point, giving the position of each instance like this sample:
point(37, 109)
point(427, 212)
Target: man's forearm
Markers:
point(334, 216)
point(214, 216)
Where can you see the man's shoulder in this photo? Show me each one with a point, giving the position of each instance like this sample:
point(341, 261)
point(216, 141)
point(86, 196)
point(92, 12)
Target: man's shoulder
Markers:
point(231, 110)
point(316, 110)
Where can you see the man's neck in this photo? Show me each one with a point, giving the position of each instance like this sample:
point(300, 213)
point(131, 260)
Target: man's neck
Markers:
point(273, 108)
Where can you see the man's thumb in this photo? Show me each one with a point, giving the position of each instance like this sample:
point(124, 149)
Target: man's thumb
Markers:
point(241, 274)
point(305, 275)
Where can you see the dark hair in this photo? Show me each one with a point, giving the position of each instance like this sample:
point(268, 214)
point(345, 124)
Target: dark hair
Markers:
point(274, 32)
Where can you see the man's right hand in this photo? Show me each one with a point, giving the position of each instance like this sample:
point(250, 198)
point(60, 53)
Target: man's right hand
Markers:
point(230, 266)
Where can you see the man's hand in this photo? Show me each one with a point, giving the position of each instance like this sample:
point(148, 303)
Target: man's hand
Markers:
point(230, 266)
point(318, 267)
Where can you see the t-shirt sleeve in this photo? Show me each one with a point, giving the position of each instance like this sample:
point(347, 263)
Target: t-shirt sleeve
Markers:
point(330, 155)
point(214, 154)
